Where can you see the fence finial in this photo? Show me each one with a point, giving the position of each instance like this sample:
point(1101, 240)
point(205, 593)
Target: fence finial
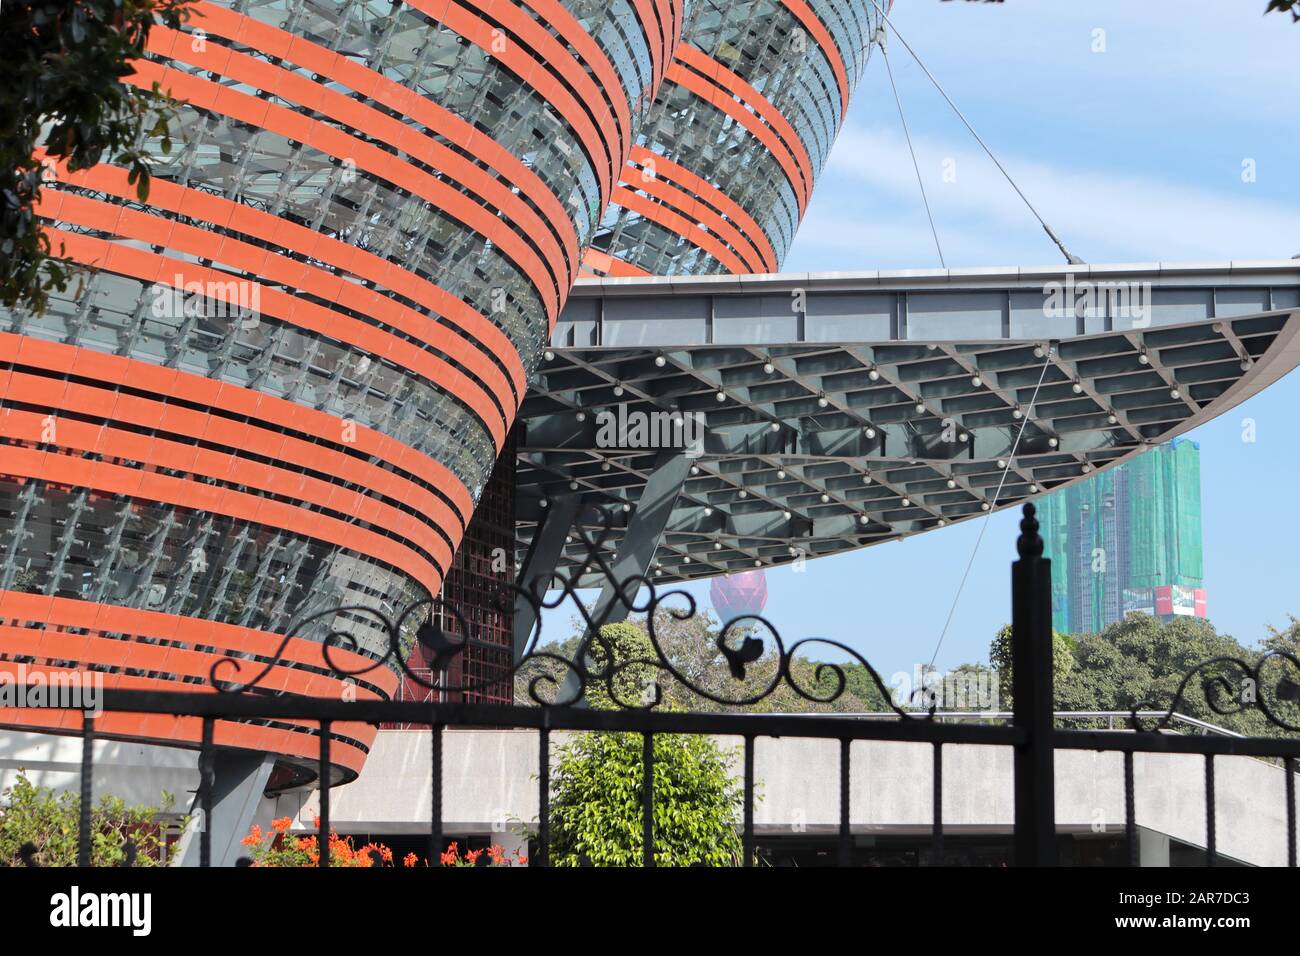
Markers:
point(1029, 544)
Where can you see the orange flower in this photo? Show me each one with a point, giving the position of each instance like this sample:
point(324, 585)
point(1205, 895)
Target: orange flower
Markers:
point(473, 855)
point(523, 860)
point(282, 825)
point(409, 860)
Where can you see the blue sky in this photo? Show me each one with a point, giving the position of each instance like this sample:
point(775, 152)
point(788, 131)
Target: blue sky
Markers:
point(1132, 154)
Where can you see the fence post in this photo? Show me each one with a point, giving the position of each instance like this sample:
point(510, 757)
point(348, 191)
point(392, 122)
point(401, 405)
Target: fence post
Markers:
point(1031, 687)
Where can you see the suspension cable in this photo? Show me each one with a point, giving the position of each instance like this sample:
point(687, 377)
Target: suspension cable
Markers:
point(1033, 399)
point(1069, 256)
point(880, 39)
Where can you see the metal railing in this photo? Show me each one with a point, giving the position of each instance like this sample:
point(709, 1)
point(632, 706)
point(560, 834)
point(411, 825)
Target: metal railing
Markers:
point(1005, 716)
point(1029, 728)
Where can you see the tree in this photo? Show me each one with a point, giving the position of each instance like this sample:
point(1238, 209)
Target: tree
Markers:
point(1140, 662)
point(596, 815)
point(64, 99)
point(1063, 648)
point(597, 784)
point(38, 818)
point(690, 645)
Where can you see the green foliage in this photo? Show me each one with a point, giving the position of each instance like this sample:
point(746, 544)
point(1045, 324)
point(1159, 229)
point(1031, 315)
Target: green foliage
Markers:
point(1063, 650)
point(31, 814)
point(691, 646)
point(65, 61)
point(625, 650)
point(27, 581)
point(1141, 661)
point(596, 815)
point(597, 783)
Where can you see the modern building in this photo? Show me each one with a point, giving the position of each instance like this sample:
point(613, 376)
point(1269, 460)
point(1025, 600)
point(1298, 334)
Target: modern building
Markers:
point(337, 363)
point(289, 381)
point(1128, 540)
point(725, 163)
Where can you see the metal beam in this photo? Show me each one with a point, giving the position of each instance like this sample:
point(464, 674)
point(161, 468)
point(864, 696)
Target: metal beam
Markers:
point(636, 550)
point(644, 530)
point(539, 565)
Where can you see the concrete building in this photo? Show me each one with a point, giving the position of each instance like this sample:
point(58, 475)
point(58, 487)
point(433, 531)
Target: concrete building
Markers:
point(490, 796)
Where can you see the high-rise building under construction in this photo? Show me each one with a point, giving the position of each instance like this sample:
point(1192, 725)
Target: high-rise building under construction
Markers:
point(1128, 540)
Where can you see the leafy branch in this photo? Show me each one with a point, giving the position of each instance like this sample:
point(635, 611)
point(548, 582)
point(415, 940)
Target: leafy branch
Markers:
point(66, 102)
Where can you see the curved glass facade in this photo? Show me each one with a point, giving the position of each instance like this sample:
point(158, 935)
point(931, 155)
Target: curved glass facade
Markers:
point(725, 165)
point(290, 371)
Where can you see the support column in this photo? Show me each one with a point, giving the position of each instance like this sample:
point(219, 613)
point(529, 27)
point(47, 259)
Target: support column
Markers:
point(637, 549)
point(238, 801)
point(543, 555)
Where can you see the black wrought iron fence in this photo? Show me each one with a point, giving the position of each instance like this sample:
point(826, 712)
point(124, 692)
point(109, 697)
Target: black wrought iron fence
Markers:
point(557, 691)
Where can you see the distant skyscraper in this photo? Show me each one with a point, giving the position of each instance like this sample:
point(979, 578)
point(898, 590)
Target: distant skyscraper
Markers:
point(1128, 540)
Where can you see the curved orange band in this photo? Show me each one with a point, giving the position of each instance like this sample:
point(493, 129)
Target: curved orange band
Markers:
point(762, 107)
point(343, 146)
point(724, 101)
point(294, 87)
point(72, 614)
point(75, 614)
point(558, 18)
point(239, 255)
point(86, 649)
point(552, 57)
point(598, 263)
point(697, 211)
point(163, 270)
point(169, 731)
point(82, 399)
point(657, 212)
point(227, 214)
point(712, 196)
point(600, 145)
point(655, 29)
point(404, 101)
point(133, 483)
point(229, 468)
point(813, 24)
point(237, 400)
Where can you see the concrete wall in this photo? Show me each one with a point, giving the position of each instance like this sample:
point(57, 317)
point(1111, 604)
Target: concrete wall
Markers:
point(138, 773)
point(490, 780)
point(490, 783)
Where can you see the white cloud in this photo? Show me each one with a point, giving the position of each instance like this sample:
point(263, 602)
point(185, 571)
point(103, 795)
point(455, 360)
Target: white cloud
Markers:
point(1102, 215)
